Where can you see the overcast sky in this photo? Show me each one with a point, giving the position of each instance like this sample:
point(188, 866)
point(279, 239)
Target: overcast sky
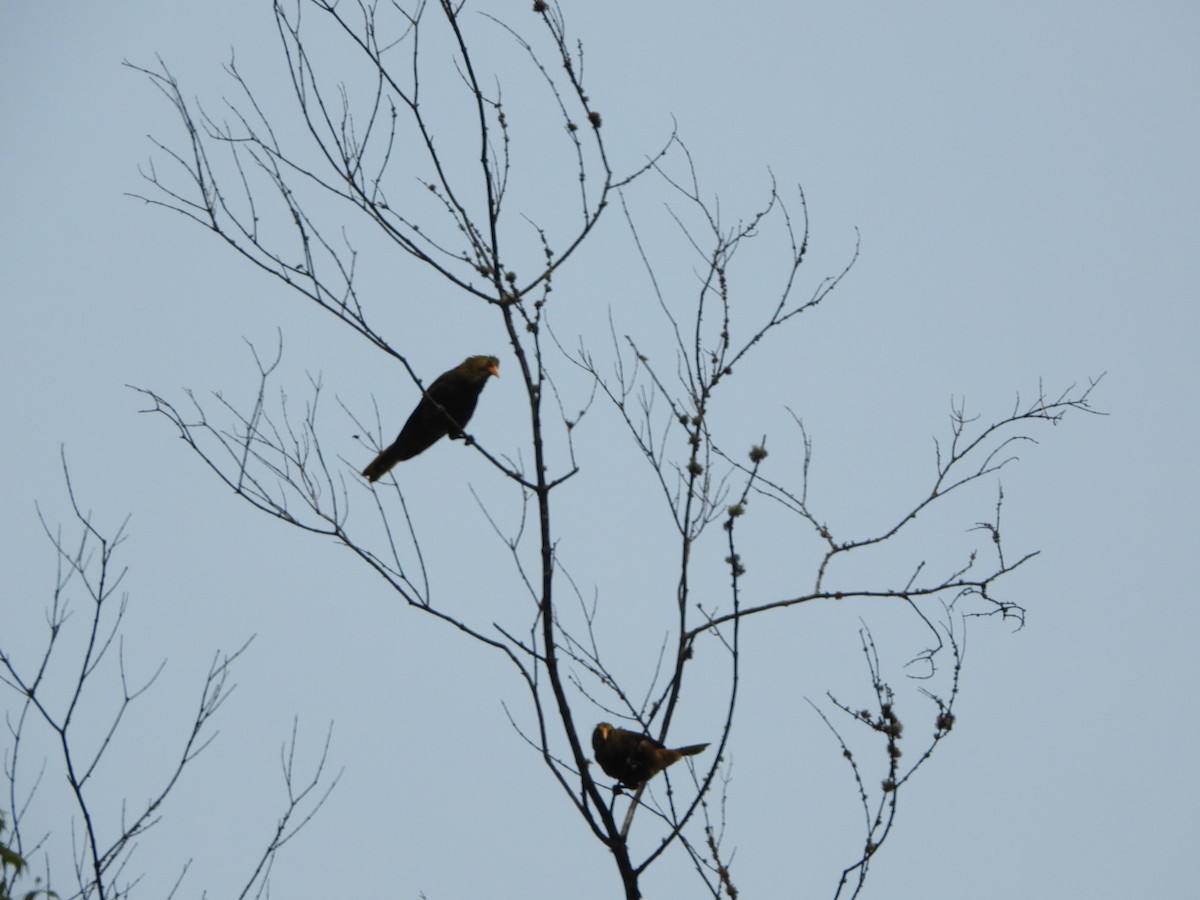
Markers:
point(1023, 179)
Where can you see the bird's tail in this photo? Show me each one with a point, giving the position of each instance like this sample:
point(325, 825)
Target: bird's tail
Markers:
point(690, 750)
point(383, 463)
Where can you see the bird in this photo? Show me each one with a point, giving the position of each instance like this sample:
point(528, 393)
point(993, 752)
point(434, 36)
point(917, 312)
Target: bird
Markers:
point(632, 758)
point(445, 408)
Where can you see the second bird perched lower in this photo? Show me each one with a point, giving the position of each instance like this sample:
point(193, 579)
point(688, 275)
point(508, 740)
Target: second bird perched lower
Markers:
point(445, 409)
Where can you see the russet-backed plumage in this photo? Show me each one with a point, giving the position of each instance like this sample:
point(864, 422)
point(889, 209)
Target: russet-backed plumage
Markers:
point(445, 408)
point(632, 758)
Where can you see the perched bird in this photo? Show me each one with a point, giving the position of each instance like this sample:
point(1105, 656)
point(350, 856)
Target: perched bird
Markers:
point(632, 758)
point(445, 408)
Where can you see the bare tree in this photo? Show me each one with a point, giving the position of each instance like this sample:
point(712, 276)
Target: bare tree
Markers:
point(63, 688)
point(461, 188)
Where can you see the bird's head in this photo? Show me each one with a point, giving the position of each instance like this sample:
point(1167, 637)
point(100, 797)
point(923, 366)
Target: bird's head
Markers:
point(482, 366)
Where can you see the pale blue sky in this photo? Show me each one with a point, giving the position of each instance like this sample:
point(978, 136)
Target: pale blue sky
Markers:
point(1024, 180)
